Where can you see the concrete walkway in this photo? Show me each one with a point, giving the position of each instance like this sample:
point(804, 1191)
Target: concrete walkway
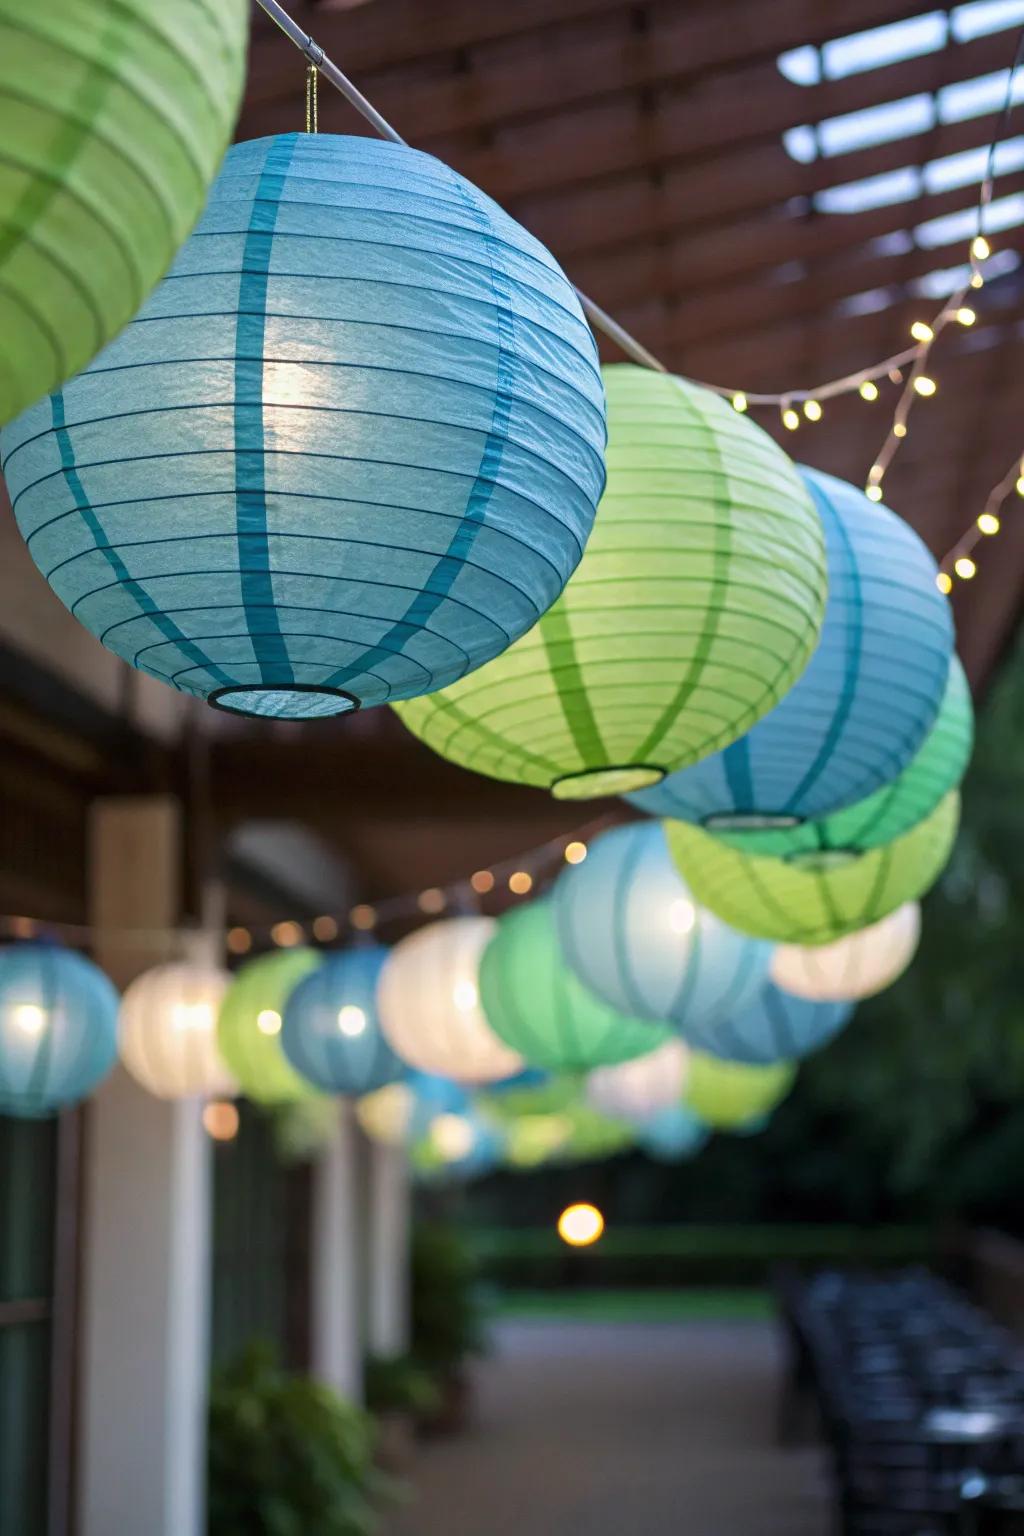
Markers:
point(621, 1430)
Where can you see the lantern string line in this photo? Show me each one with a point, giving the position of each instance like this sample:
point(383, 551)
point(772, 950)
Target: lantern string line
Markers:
point(312, 99)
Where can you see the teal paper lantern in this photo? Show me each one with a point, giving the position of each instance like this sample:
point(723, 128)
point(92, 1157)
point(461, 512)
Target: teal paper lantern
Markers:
point(775, 1027)
point(330, 1031)
point(350, 449)
point(634, 935)
point(673, 1135)
point(58, 1029)
point(539, 1007)
point(865, 703)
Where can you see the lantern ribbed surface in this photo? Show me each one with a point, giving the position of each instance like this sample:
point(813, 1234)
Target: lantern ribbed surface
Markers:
point(113, 120)
point(58, 1029)
point(634, 935)
point(167, 1031)
point(730, 1095)
point(858, 966)
point(695, 607)
point(937, 767)
point(775, 1027)
point(541, 1008)
point(429, 1004)
point(250, 1023)
point(636, 1090)
point(816, 900)
point(331, 1032)
point(351, 448)
point(867, 700)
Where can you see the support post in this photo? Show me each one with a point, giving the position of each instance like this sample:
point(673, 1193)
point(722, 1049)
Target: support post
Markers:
point(336, 1326)
point(389, 1243)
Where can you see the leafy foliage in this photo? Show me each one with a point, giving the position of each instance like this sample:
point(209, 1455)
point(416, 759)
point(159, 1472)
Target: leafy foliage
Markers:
point(287, 1457)
point(447, 1321)
point(399, 1384)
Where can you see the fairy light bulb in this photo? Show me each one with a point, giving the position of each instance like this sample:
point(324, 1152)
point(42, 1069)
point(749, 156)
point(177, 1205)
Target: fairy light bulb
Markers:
point(739, 401)
point(965, 567)
point(922, 331)
point(575, 853)
point(520, 882)
point(980, 248)
point(977, 281)
point(966, 315)
point(812, 410)
point(944, 582)
point(790, 419)
point(925, 384)
point(868, 390)
point(1019, 487)
point(899, 429)
point(988, 523)
point(482, 881)
point(873, 492)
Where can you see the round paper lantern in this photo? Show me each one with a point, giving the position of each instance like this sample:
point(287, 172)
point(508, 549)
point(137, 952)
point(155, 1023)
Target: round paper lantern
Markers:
point(459, 1145)
point(673, 1135)
point(696, 605)
point(938, 767)
point(428, 1002)
point(775, 1027)
point(114, 118)
point(331, 1033)
point(361, 424)
point(858, 966)
point(730, 1094)
point(250, 1021)
point(636, 1090)
point(540, 1007)
point(58, 1029)
point(168, 1031)
point(817, 899)
point(869, 695)
point(633, 934)
point(386, 1114)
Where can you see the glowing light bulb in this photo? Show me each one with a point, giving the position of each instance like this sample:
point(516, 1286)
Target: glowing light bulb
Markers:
point(965, 568)
point(580, 1225)
point(482, 881)
point(575, 853)
point(925, 384)
point(812, 410)
point(520, 882)
point(922, 331)
point(363, 917)
point(239, 941)
point(432, 899)
point(977, 281)
point(944, 582)
point(899, 429)
point(966, 315)
point(682, 915)
point(739, 401)
point(465, 996)
point(29, 1018)
point(192, 1016)
point(286, 935)
point(988, 523)
point(980, 248)
point(220, 1120)
point(869, 390)
point(268, 1022)
point(325, 928)
point(1019, 487)
point(790, 419)
point(351, 1020)
point(873, 492)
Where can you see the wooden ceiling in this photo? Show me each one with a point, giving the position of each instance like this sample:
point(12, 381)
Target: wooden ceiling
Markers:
point(642, 143)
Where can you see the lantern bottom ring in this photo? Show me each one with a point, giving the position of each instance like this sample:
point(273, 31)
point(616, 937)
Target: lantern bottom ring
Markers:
point(594, 782)
point(750, 821)
point(813, 859)
point(294, 701)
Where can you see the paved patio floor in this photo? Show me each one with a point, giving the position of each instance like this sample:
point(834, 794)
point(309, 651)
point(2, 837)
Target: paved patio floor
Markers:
point(621, 1430)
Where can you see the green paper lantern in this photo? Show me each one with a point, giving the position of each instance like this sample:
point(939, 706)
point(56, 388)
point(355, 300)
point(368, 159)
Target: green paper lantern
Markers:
point(730, 1094)
point(697, 604)
point(821, 897)
point(537, 1006)
point(938, 767)
point(249, 1026)
point(113, 120)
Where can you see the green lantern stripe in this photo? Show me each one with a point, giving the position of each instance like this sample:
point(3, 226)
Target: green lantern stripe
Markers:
point(556, 632)
point(821, 900)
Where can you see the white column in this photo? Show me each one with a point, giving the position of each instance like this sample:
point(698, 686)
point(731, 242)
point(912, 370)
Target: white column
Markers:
point(337, 1352)
point(146, 1249)
point(389, 1235)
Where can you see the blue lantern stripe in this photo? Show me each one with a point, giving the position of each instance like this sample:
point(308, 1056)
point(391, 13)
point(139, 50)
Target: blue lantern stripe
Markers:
point(250, 465)
point(738, 774)
point(147, 607)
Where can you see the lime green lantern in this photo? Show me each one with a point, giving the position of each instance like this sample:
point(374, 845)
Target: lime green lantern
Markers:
point(820, 897)
point(730, 1094)
point(938, 767)
point(697, 604)
point(538, 1007)
point(114, 120)
point(249, 1026)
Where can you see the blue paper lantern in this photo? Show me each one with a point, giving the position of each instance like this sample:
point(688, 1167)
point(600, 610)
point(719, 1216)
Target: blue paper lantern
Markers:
point(330, 1031)
point(673, 1135)
point(349, 450)
point(58, 1029)
point(633, 934)
point(866, 701)
point(775, 1027)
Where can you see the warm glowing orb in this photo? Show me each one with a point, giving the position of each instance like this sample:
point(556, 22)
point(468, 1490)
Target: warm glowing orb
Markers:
point(580, 1225)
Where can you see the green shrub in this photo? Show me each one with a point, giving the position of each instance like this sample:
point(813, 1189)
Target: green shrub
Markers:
point(447, 1317)
point(399, 1384)
point(287, 1457)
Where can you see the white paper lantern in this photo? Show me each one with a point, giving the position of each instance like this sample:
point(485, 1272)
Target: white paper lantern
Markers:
point(168, 1031)
point(637, 1090)
point(429, 1003)
point(858, 966)
point(386, 1115)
